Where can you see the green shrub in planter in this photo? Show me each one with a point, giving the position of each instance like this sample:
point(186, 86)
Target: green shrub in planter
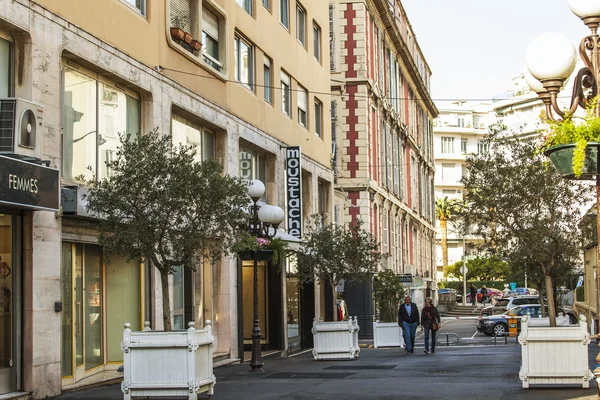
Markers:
point(389, 292)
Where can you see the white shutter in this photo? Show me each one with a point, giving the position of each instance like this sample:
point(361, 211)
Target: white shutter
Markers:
point(210, 24)
point(302, 99)
point(285, 78)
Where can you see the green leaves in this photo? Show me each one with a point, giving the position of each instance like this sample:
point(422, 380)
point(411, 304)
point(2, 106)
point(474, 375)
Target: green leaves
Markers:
point(388, 292)
point(333, 253)
point(481, 269)
point(162, 204)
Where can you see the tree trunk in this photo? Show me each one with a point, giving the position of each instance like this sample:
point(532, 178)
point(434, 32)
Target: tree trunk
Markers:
point(335, 311)
point(444, 230)
point(166, 300)
point(540, 288)
point(550, 295)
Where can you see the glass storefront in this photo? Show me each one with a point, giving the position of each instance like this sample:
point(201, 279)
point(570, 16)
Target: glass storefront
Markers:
point(95, 293)
point(8, 263)
point(293, 298)
point(248, 296)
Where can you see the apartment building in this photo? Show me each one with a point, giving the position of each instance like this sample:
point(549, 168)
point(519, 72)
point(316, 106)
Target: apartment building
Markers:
point(243, 80)
point(382, 127)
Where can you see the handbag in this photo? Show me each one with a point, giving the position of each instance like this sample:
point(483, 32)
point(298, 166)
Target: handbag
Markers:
point(435, 326)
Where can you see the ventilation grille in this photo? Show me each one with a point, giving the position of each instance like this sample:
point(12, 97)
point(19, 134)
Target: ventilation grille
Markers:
point(7, 125)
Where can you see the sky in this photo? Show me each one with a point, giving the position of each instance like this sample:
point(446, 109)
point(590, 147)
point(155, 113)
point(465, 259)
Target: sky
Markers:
point(475, 47)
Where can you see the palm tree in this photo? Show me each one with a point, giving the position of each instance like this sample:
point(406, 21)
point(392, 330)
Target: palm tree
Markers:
point(444, 209)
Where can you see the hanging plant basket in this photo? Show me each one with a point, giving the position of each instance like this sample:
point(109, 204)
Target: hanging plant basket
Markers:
point(260, 255)
point(562, 158)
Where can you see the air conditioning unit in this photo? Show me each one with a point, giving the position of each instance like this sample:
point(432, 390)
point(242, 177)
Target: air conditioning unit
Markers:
point(21, 123)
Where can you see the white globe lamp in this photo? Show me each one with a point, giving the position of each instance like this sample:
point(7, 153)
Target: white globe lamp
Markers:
point(279, 216)
point(267, 214)
point(551, 57)
point(533, 83)
point(585, 8)
point(256, 189)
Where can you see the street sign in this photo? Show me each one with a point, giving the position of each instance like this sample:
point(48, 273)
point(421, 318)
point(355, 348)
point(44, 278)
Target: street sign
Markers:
point(513, 285)
point(407, 278)
point(464, 270)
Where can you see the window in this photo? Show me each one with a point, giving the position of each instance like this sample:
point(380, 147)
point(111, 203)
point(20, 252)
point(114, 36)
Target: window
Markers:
point(246, 5)
point(267, 4)
point(188, 133)
point(5, 68)
point(244, 62)
point(447, 172)
point(463, 146)
point(302, 100)
point(483, 147)
point(301, 24)
point(318, 118)
point(210, 39)
point(252, 165)
point(331, 37)
point(140, 5)
point(447, 145)
point(317, 41)
point(268, 81)
point(95, 114)
point(322, 201)
point(460, 122)
point(285, 94)
point(284, 13)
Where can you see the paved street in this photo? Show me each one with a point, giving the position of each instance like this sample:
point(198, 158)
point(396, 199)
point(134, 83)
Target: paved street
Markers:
point(489, 372)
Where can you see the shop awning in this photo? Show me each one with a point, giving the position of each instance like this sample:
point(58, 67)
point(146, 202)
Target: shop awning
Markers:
point(292, 241)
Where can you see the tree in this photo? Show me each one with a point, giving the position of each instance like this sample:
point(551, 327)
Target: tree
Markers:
point(444, 211)
point(481, 268)
point(388, 291)
point(523, 208)
point(159, 203)
point(332, 252)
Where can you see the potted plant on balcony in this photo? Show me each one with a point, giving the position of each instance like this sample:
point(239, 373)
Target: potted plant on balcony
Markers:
point(573, 143)
point(332, 254)
point(178, 28)
point(388, 292)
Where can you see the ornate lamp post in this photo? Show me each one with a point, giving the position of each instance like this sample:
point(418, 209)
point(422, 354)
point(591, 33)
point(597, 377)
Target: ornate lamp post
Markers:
point(263, 223)
point(551, 59)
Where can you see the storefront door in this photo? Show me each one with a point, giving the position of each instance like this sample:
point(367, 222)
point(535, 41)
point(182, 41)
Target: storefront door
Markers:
point(9, 304)
point(82, 317)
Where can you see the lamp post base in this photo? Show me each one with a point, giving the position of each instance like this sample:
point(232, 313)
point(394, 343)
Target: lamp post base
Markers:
point(256, 362)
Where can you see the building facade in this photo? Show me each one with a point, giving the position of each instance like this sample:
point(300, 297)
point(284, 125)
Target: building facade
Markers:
point(382, 125)
point(251, 81)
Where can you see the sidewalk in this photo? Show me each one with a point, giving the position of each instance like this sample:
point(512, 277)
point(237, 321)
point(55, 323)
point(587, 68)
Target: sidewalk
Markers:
point(452, 373)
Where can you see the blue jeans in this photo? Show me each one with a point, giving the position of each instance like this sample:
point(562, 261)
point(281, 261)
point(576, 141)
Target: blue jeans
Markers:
point(433, 333)
point(410, 331)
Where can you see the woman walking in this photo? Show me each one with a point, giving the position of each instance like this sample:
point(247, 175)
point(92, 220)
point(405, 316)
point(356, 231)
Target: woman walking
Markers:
point(430, 323)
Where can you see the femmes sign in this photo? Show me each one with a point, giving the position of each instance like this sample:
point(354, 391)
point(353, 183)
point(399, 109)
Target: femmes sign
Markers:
point(293, 187)
point(27, 185)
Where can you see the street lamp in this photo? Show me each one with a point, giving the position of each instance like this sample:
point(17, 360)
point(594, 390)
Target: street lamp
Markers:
point(551, 59)
point(263, 222)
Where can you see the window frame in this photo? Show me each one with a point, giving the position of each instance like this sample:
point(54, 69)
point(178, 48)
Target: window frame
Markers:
point(202, 131)
point(143, 11)
point(268, 86)
point(206, 58)
point(286, 92)
point(286, 25)
point(267, 4)
point(301, 36)
point(248, 6)
point(302, 112)
point(257, 158)
point(317, 40)
point(447, 143)
point(318, 118)
point(11, 64)
point(237, 41)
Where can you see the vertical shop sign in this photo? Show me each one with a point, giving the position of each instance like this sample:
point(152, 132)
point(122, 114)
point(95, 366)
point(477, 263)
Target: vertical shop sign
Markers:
point(293, 188)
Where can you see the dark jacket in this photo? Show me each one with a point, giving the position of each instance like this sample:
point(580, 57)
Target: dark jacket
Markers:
point(403, 315)
point(427, 318)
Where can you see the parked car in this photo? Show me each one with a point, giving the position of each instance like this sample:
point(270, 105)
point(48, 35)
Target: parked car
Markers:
point(446, 291)
point(498, 324)
point(498, 308)
point(521, 291)
point(505, 304)
point(491, 293)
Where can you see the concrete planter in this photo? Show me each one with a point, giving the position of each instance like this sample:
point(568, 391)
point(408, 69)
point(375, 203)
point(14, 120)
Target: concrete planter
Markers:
point(387, 334)
point(554, 356)
point(168, 364)
point(336, 340)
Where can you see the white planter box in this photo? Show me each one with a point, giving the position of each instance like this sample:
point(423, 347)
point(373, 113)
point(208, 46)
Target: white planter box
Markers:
point(387, 334)
point(168, 364)
point(336, 340)
point(554, 356)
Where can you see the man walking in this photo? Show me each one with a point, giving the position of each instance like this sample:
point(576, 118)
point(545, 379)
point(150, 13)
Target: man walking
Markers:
point(408, 319)
point(473, 291)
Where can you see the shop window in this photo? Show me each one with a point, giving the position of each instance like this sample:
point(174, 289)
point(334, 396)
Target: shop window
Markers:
point(139, 5)
point(318, 118)
point(301, 24)
point(253, 165)
point(246, 5)
point(293, 297)
point(6, 61)
point(244, 62)
point(268, 80)
point(8, 275)
point(178, 298)
point(189, 133)
point(302, 107)
point(284, 13)
point(286, 107)
point(95, 114)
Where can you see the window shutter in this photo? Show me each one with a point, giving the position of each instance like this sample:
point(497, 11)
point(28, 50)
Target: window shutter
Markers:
point(302, 99)
point(210, 24)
